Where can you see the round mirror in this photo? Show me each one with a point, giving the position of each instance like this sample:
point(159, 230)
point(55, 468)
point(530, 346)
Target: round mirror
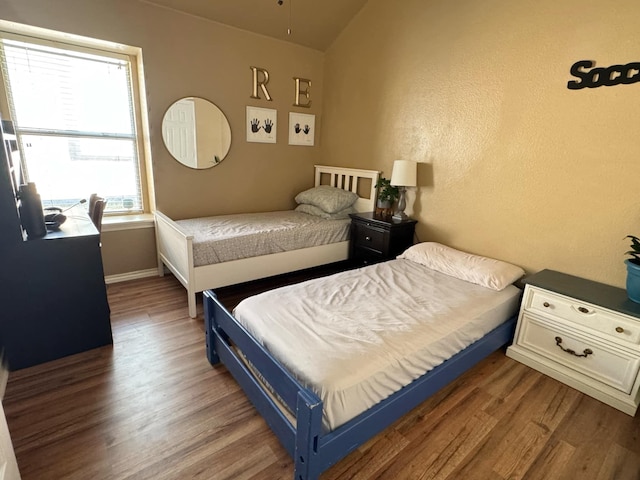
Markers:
point(196, 132)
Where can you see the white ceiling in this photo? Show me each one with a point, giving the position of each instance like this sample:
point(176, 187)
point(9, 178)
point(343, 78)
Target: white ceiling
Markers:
point(314, 23)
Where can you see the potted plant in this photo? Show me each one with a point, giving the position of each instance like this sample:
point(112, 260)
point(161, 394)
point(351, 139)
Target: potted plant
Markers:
point(633, 269)
point(387, 195)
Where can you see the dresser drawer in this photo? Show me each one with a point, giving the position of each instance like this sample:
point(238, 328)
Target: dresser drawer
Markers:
point(585, 355)
point(614, 325)
point(365, 256)
point(370, 237)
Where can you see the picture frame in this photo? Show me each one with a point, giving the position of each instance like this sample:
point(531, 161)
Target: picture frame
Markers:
point(262, 125)
point(302, 129)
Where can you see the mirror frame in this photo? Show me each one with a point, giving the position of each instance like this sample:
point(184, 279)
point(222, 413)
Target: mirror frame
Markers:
point(187, 135)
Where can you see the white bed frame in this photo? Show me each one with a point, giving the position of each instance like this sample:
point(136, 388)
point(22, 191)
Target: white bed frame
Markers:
point(175, 246)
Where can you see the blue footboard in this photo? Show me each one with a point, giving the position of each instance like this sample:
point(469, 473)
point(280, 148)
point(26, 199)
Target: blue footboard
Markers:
point(312, 451)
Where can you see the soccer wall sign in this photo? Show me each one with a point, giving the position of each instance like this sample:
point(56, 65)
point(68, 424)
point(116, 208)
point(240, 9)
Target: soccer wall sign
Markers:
point(590, 77)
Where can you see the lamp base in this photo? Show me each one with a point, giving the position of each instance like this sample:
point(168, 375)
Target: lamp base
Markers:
point(400, 216)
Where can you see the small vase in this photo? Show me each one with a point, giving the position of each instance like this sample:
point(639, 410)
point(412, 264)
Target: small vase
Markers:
point(633, 281)
point(383, 208)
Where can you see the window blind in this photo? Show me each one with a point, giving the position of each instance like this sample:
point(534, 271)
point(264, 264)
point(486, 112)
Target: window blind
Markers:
point(73, 111)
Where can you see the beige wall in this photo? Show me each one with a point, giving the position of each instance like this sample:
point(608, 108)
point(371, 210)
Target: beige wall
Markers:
point(514, 164)
point(187, 56)
point(128, 251)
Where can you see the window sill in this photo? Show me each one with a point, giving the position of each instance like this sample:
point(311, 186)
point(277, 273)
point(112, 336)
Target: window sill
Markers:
point(116, 223)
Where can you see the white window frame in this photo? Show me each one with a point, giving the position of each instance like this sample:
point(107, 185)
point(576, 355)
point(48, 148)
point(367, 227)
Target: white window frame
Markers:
point(66, 40)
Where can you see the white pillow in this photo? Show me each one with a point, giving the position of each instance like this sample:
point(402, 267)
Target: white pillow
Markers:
point(318, 212)
point(330, 199)
point(488, 272)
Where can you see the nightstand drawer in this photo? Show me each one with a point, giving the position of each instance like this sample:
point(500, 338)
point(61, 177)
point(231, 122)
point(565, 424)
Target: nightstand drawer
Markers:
point(370, 237)
point(584, 314)
point(568, 348)
point(365, 256)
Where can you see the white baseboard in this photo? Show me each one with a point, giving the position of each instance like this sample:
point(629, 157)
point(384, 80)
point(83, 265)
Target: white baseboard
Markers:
point(123, 277)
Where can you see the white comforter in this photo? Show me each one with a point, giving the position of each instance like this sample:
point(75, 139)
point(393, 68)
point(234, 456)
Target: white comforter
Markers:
point(359, 336)
point(231, 237)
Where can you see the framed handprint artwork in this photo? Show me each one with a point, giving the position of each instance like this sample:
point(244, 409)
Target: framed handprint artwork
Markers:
point(261, 125)
point(302, 129)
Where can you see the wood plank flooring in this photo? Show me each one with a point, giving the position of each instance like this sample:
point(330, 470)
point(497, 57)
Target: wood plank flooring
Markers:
point(151, 407)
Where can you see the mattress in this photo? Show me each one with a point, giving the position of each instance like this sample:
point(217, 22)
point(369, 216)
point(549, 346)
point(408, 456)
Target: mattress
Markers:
point(356, 337)
point(232, 237)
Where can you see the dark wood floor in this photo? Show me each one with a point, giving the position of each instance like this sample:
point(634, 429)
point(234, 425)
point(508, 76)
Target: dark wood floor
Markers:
point(151, 407)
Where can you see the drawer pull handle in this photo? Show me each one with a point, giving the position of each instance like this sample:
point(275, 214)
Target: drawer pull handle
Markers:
point(368, 239)
point(585, 353)
point(583, 310)
point(619, 329)
point(546, 305)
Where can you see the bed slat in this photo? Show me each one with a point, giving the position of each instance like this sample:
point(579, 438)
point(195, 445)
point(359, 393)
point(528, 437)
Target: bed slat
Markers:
point(348, 179)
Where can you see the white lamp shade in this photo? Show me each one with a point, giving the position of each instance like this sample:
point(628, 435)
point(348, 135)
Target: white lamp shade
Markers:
point(404, 174)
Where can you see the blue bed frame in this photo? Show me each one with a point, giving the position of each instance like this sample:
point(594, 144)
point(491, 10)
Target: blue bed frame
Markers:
point(311, 449)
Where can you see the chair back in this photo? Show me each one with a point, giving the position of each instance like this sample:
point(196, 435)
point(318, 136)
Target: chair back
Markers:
point(92, 203)
point(96, 213)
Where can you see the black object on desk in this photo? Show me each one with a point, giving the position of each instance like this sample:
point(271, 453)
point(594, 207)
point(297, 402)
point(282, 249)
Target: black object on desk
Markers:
point(376, 239)
point(30, 208)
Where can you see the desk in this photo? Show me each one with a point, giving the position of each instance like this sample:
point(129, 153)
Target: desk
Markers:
point(56, 297)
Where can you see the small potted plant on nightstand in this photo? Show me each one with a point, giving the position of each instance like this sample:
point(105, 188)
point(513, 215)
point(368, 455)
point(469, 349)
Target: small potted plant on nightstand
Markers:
point(633, 269)
point(387, 195)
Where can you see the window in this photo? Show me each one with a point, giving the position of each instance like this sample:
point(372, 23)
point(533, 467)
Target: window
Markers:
point(74, 111)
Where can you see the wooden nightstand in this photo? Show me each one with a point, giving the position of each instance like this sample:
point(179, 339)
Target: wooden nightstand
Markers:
point(582, 333)
point(376, 239)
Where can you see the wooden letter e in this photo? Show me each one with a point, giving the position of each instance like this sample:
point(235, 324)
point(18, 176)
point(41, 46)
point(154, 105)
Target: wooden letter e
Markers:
point(304, 92)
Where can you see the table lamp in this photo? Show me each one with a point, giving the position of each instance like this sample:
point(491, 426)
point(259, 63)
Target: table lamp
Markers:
point(404, 174)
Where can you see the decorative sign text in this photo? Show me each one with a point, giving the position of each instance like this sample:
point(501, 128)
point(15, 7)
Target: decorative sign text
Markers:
point(597, 77)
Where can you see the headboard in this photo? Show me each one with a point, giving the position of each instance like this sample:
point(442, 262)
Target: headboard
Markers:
point(361, 182)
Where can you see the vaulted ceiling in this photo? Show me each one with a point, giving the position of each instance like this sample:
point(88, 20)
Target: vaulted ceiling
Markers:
point(313, 23)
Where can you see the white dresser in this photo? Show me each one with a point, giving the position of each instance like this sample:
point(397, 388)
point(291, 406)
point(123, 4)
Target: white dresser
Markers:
point(582, 333)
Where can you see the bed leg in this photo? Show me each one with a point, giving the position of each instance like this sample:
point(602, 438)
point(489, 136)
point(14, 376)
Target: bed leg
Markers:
point(160, 267)
point(309, 424)
point(209, 325)
point(191, 300)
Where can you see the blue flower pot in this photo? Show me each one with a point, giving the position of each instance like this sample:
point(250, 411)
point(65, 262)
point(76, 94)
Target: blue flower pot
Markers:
point(633, 281)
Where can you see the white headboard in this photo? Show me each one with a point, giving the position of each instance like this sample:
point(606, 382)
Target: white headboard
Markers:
point(350, 179)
